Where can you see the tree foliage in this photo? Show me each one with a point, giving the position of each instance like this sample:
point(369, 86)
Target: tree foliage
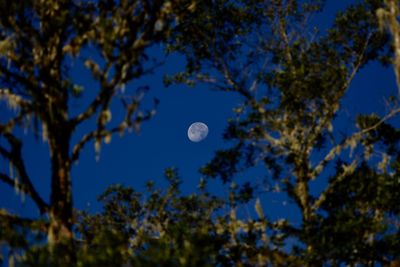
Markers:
point(40, 43)
point(292, 80)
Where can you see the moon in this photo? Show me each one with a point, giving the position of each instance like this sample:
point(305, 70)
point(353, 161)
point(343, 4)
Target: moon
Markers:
point(197, 132)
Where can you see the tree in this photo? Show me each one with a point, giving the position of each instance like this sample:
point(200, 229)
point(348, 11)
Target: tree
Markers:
point(168, 228)
point(292, 80)
point(40, 41)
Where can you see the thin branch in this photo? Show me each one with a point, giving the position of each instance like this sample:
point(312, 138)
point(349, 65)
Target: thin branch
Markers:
point(358, 63)
point(282, 32)
point(9, 125)
point(388, 17)
point(105, 90)
point(18, 78)
point(347, 142)
point(6, 179)
point(317, 128)
point(13, 100)
point(231, 81)
point(15, 184)
point(15, 158)
point(90, 111)
point(135, 48)
point(81, 144)
point(12, 219)
point(347, 170)
point(101, 133)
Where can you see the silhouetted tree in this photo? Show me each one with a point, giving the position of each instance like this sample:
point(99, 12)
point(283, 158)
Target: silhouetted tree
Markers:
point(293, 79)
point(40, 41)
point(163, 227)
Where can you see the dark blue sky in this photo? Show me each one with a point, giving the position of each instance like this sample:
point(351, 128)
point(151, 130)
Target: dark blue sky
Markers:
point(134, 159)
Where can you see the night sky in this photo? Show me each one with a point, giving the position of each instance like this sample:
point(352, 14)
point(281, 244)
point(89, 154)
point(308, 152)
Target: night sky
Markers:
point(162, 142)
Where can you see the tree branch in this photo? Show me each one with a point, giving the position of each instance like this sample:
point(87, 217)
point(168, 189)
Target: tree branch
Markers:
point(348, 142)
point(28, 83)
point(20, 186)
point(6, 179)
point(15, 158)
point(388, 17)
point(14, 101)
point(130, 121)
point(128, 57)
point(12, 219)
point(347, 170)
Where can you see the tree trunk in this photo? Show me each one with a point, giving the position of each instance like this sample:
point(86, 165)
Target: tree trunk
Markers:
point(60, 200)
point(303, 197)
point(60, 236)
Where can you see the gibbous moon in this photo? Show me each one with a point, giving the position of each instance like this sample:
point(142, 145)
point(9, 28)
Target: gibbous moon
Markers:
point(197, 132)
